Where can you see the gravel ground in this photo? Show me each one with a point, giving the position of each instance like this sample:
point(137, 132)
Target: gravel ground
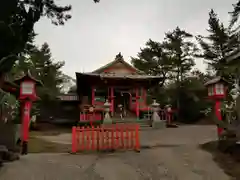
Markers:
point(174, 156)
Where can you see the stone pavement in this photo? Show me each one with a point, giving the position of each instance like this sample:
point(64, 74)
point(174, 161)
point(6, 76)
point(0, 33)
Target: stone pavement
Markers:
point(175, 157)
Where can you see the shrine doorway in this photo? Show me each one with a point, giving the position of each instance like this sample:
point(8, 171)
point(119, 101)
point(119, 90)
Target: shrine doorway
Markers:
point(122, 98)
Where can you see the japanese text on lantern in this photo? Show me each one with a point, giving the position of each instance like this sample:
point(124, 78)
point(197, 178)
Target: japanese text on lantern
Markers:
point(27, 88)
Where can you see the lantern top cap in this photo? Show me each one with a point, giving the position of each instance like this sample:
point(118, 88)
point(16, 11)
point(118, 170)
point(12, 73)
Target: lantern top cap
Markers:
point(215, 81)
point(27, 76)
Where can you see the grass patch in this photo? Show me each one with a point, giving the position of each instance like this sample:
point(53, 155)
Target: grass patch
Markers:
point(229, 162)
point(38, 145)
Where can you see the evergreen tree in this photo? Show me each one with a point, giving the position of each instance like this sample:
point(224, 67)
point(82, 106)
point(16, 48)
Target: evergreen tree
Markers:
point(17, 19)
point(235, 14)
point(152, 60)
point(43, 68)
point(217, 45)
point(179, 47)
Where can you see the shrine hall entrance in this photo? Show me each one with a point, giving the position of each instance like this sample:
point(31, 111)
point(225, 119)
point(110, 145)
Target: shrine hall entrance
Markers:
point(122, 97)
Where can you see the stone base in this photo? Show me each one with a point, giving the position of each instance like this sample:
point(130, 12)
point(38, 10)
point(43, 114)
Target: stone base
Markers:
point(107, 121)
point(158, 124)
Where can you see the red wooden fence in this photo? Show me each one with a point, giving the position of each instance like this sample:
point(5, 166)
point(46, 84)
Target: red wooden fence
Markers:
point(111, 137)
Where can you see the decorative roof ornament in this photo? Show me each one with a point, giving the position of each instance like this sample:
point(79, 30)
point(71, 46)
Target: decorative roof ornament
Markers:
point(119, 56)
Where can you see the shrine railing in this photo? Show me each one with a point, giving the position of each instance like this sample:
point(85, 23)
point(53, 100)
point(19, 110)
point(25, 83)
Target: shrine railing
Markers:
point(111, 137)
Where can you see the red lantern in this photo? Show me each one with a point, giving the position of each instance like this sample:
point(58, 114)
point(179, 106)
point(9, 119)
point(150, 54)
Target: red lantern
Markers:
point(27, 95)
point(216, 88)
point(217, 91)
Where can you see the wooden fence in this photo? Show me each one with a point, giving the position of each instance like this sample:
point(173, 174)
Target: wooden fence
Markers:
point(110, 137)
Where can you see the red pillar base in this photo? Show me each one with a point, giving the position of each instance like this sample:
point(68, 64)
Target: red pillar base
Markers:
point(24, 148)
point(219, 116)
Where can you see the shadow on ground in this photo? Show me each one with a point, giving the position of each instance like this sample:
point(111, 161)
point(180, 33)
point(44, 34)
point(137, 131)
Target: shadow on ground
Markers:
point(158, 146)
point(38, 145)
point(229, 162)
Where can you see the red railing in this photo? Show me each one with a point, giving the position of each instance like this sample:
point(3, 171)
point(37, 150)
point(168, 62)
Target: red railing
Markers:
point(111, 137)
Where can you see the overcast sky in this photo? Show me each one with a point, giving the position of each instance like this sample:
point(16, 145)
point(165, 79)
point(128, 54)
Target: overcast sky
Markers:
point(97, 32)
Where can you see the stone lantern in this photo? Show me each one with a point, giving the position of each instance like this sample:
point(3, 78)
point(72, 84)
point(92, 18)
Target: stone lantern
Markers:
point(217, 91)
point(107, 117)
point(156, 121)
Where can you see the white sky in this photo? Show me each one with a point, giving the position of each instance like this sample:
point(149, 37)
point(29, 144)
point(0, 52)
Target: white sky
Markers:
point(97, 32)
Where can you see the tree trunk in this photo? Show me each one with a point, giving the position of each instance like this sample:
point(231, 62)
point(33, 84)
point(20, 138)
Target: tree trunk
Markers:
point(1, 79)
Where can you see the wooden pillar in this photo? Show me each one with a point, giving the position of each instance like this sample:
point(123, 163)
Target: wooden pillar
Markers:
point(137, 102)
point(218, 114)
point(130, 99)
point(144, 95)
point(112, 99)
point(93, 95)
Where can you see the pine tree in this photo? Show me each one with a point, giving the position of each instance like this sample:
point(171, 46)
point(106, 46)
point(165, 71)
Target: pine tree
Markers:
point(152, 60)
point(179, 47)
point(217, 45)
point(48, 71)
point(235, 14)
point(43, 68)
point(17, 19)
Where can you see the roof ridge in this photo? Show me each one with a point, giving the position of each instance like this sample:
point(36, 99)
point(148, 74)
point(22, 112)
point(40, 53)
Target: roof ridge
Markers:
point(121, 60)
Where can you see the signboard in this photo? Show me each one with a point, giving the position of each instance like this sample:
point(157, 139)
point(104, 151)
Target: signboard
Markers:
point(27, 88)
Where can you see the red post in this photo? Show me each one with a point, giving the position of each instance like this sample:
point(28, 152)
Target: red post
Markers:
point(93, 137)
point(113, 128)
point(112, 100)
point(88, 139)
point(82, 132)
point(137, 103)
point(25, 125)
point(74, 138)
point(127, 137)
point(122, 135)
point(144, 95)
point(93, 95)
point(218, 114)
point(117, 136)
point(132, 129)
point(98, 137)
point(102, 147)
point(137, 143)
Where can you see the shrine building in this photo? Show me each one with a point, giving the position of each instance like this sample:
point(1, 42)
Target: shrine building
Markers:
point(120, 84)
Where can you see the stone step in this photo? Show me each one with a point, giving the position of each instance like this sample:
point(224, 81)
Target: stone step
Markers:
point(142, 122)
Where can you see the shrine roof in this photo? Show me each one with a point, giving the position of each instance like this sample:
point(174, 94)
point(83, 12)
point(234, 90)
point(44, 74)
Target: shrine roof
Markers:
point(120, 76)
point(27, 76)
point(215, 80)
point(116, 61)
point(118, 72)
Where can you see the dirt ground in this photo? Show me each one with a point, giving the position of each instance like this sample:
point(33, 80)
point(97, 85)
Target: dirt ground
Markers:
point(169, 154)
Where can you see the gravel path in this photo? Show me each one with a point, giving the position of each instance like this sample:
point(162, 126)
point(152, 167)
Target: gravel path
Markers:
point(177, 157)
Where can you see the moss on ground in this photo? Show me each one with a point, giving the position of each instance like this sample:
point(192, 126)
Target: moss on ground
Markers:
point(38, 145)
point(229, 162)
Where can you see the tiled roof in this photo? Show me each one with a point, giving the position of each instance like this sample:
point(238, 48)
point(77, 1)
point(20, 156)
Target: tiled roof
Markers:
point(215, 80)
point(122, 76)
